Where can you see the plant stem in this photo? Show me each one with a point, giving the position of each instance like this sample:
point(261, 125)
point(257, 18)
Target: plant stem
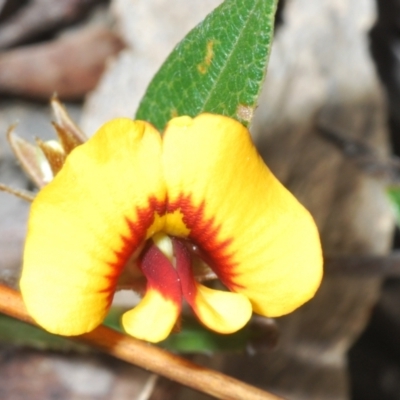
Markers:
point(148, 357)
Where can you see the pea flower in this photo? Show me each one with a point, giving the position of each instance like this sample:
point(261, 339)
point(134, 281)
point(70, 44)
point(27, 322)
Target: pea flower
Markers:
point(132, 204)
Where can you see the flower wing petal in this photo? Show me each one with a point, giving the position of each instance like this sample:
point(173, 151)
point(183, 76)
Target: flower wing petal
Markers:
point(260, 240)
point(87, 222)
point(153, 318)
point(224, 312)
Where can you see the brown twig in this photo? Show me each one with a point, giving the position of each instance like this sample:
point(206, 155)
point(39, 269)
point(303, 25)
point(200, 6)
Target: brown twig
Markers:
point(362, 155)
point(149, 357)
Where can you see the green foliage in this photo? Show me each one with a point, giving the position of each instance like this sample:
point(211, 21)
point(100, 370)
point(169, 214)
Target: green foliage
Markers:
point(13, 331)
point(393, 193)
point(195, 338)
point(218, 67)
point(19, 333)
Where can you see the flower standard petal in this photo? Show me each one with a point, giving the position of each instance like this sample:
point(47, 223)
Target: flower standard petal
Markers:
point(259, 239)
point(87, 222)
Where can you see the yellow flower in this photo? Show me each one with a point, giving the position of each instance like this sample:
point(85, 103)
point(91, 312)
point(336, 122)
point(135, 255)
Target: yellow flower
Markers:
point(130, 198)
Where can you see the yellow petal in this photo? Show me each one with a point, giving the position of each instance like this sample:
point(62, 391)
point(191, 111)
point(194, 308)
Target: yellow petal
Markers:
point(223, 312)
point(86, 223)
point(153, 318)
point(260, 239)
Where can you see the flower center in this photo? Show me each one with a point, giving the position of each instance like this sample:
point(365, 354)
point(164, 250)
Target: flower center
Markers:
point(164, 243)
point(167, 265)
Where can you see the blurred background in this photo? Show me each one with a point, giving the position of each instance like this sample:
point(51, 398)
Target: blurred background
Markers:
point(335, 67)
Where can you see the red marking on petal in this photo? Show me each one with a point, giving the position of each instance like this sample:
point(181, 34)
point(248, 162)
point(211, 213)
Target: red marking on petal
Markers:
point(109, 292)
point(160, 274)
point(204, 233)
point(137, 229)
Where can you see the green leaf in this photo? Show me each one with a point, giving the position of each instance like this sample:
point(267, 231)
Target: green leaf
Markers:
point(218, 67)
point(393, 193)
point(192, 338)
point(13, 331)
point(113, 318)
point(195, 338)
